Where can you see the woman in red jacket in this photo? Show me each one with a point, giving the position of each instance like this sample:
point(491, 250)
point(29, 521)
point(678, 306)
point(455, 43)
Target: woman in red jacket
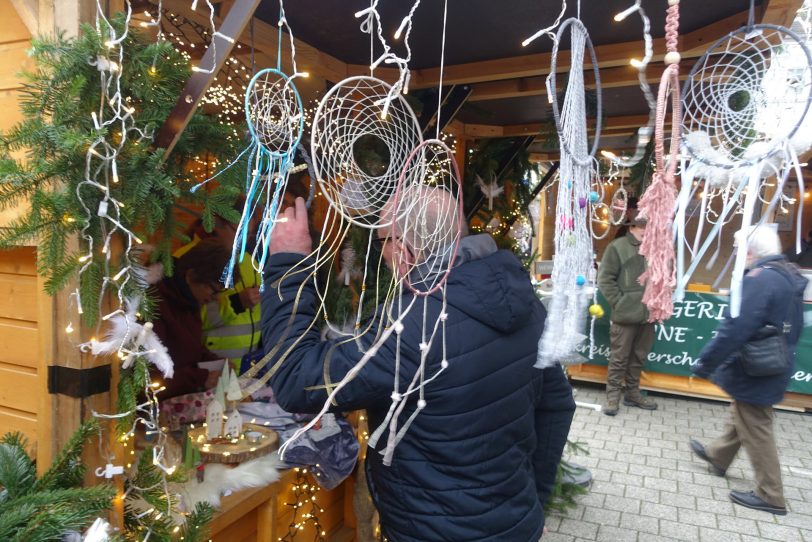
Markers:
point(195, 282)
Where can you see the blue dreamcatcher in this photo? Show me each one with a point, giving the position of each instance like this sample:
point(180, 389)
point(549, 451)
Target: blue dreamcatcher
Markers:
point(275, 118)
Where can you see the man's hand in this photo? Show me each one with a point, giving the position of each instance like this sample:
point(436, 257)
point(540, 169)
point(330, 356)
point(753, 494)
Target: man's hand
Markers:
point(291, 232)
point(250, 296)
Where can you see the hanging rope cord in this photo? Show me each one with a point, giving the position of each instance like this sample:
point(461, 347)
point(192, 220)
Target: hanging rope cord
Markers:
point(659, 201)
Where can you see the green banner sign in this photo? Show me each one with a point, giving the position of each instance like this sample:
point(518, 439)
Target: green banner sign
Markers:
point(680, 339)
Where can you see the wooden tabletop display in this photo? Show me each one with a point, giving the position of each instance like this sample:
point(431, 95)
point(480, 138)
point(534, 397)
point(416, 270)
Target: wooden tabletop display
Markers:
point(255, 441)
point(224, 438)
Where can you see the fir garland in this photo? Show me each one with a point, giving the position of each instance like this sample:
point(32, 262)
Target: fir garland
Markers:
point(44, 509)
point(58, 100)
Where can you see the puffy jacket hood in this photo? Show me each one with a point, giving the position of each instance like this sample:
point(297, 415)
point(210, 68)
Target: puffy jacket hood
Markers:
point(498, 292)
point(791, 271)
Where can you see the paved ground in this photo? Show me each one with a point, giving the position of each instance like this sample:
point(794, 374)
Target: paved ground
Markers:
point(649, 488)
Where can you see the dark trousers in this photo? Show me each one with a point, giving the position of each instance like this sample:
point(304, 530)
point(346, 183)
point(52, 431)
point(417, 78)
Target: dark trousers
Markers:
point(631, 344)
point(751, 426)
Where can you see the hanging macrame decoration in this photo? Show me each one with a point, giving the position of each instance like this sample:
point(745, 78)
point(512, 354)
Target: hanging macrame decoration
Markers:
point(567, 311)
point(275, 118)
point(418, 198)
point(745, 119)
point(658, 202)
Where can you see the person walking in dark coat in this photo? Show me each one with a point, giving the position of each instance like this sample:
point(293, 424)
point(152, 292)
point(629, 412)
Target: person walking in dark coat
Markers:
point(195, 282)
point(479, 460)
point(631, 334)
point(772, 293)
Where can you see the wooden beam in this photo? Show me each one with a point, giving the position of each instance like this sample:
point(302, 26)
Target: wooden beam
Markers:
point(28, 10)
point(620, 125)
point(611, 55)
point(780, 12)
point(266, 40)
point(195, 88)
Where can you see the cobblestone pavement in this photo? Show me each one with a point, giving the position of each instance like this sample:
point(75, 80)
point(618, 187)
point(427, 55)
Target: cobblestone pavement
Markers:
point(648, 487)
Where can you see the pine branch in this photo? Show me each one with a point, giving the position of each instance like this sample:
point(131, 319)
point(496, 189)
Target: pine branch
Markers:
point(17, 472)
point(197, 523)
point(67, 470)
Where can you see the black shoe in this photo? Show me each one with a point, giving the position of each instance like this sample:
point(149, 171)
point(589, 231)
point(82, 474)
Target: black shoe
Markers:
point(751, 500)
point(700, 452)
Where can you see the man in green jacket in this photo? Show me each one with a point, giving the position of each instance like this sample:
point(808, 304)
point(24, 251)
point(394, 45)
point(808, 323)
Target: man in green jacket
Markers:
point(632, 335)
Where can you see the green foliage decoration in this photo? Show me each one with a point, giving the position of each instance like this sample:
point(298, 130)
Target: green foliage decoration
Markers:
point(43, 158)
point(45, 508)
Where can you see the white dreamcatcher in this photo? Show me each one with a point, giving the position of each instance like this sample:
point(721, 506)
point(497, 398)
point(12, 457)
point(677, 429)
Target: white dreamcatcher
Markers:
point(745, 119)
point(573, 264)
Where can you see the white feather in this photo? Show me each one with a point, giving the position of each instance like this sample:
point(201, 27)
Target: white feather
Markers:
point(124, 333)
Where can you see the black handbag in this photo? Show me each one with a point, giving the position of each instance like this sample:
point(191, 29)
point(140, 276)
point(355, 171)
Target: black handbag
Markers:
point(766, 352)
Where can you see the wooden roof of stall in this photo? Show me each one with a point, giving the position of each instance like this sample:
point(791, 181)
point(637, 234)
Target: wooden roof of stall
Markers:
point(483, 51)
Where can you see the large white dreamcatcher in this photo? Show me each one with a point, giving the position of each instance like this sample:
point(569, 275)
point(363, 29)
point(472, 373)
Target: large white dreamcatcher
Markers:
point(573, 264)
point(745, 102)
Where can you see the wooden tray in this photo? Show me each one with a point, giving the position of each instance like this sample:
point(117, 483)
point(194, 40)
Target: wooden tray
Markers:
point(230, 452)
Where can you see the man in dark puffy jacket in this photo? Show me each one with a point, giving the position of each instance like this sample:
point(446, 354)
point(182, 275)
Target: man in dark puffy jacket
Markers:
point(479, 460)
point(631, 334)
point(772, 293)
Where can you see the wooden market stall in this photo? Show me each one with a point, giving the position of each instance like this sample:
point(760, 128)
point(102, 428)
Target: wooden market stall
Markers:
point(495, 95)
point(47, 387)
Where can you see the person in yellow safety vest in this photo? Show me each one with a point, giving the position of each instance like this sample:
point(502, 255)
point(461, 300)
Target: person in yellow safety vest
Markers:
point(231, 325)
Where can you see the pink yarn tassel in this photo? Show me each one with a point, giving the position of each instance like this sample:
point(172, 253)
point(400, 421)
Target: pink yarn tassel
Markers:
point(658, 203)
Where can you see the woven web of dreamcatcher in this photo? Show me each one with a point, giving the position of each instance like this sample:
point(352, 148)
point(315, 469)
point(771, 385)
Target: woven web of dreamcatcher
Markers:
point(428, 207)
point(730, 88)
point(354, 109)
point(273, 109)
point(744, 102)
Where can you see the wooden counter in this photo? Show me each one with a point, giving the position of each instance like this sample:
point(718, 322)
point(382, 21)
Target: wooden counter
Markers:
point(263, 515)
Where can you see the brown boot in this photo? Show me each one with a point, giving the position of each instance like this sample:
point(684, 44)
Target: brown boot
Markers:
point(640, 401)
point(610, 408)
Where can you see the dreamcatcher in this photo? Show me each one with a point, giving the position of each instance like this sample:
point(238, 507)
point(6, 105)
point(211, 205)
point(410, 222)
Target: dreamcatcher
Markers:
point(351, 113)
point(620, 197)
point(745, 119)
point(657, 204)
point(275, 117)
point(573, 240)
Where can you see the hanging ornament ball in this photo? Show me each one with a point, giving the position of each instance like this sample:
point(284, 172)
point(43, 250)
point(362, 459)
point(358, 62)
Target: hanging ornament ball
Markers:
point(672, 57)
point(580, 280)
point(596, 310)
point(569, 184)
point(594, 197)
point(582, 202)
